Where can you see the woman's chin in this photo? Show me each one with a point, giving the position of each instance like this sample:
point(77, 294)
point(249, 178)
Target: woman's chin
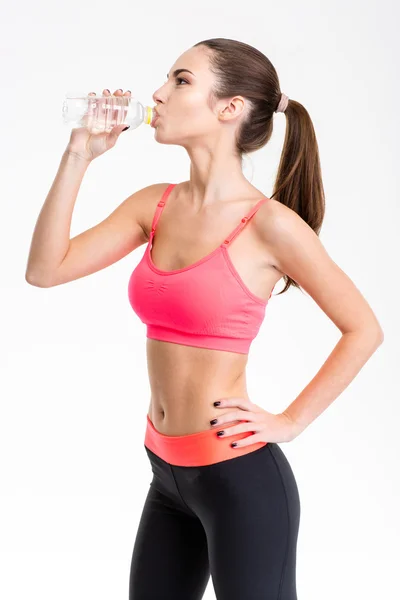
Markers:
point(159, 136)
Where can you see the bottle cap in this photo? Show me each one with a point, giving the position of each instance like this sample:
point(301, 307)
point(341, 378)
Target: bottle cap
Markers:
point(149, 115)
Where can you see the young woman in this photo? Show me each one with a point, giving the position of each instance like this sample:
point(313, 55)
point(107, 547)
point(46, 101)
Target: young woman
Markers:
point(223, 501)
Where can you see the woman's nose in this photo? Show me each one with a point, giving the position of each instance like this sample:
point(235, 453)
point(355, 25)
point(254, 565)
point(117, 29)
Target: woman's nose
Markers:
point(157, 97)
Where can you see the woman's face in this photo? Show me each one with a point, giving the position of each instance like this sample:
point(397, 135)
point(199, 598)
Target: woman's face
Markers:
point(183, 102)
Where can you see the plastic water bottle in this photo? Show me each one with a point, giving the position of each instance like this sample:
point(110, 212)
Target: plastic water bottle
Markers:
point(101, 113)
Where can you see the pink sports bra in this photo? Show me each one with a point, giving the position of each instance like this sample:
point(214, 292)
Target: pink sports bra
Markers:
point(206, 304)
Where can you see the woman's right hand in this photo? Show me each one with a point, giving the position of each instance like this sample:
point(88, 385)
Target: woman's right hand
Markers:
point(87, 145)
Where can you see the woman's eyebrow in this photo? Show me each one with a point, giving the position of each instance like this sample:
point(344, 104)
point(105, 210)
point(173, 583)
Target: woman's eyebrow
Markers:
point(177, 71)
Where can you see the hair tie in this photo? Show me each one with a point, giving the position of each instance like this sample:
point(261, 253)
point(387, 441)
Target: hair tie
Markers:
point(283, 102)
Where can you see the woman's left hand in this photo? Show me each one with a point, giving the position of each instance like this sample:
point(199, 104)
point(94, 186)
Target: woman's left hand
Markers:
point(267, 427)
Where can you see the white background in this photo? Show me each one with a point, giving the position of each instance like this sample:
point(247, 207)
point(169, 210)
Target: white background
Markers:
point(73, 381)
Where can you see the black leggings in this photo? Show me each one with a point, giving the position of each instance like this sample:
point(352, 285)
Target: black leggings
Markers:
point(236, 520)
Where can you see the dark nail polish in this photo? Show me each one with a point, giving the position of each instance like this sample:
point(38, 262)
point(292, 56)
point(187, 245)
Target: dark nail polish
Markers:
point(217, 403)
point(234, 444)
point(125, 128)
point(213, 421)
point(219, 433)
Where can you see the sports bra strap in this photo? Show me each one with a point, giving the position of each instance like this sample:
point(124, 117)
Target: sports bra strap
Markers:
point(160, 206)
point(243, 221)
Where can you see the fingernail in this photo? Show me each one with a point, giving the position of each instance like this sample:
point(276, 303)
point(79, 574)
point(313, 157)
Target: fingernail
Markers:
point(217, 403)
point(125, 128)
point(220, 433)
point(213, 421)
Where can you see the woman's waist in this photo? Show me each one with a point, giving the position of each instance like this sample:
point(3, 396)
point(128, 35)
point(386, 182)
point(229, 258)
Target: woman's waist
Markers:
point(185, 381)
point(186, 411)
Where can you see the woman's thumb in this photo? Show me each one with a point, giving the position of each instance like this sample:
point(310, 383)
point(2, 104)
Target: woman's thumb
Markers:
point(124, 128)
point(116, 131)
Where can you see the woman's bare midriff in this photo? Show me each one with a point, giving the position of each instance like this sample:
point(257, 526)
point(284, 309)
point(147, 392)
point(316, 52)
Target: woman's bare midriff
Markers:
point(185, 381)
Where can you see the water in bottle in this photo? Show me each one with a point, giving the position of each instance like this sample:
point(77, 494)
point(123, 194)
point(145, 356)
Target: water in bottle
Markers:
point(101, 113)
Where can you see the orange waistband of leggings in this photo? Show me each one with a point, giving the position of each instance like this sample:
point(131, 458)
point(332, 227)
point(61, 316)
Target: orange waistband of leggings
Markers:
point(196, 449)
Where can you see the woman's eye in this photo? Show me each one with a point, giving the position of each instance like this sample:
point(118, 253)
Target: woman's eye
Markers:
point(177, 79)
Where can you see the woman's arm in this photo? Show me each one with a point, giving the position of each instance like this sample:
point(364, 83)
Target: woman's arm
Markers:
point(299, 253)
point(50, 240)
point(55, 259)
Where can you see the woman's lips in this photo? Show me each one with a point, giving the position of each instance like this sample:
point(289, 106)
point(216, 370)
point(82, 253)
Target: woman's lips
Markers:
point(154, 120)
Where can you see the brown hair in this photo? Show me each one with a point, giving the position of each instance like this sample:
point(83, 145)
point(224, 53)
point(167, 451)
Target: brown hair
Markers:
point(241, 69)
